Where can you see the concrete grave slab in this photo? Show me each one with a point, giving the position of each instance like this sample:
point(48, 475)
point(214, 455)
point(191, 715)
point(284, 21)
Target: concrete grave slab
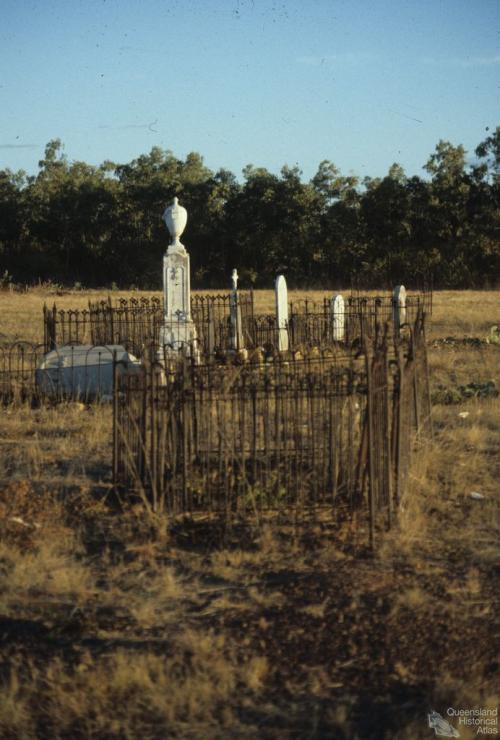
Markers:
point(82, 371)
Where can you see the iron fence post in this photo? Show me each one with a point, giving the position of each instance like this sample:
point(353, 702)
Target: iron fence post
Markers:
point(371, 461)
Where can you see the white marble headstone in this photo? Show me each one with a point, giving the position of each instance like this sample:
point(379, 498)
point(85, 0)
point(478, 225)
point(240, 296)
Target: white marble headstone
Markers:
point(281, 296)
point(338, 317)
point(399, 306)
point(178, 330)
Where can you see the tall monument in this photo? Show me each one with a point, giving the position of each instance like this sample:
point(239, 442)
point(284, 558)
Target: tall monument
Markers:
point(178, 331)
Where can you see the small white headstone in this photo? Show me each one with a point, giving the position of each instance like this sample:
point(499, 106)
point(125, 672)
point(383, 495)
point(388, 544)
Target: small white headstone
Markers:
point(281, 296)
point(399, 306)
point(338, 317)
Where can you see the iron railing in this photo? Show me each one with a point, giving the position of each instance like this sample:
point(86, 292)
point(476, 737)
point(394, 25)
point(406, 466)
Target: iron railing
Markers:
point(137, 322)
point(295, 433)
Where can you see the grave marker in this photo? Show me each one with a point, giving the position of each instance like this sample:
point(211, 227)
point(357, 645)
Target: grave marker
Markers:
point(338, 317)
point(399, 307)
point(281, 297)
point(235, 314)
point(82, 371)
point(178, 330)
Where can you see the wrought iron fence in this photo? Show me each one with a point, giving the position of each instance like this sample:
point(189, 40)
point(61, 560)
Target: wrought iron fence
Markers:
point(137, 322)
point(311, 323)
point(129, 321)
point(18, 363)
point(212, 317)
point(295, 434)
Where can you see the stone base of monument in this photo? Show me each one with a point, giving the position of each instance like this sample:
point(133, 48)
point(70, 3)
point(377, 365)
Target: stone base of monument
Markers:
point(82, 372)
point(178, 338)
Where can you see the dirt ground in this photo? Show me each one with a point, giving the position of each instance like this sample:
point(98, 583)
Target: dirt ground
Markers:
point(116, 623)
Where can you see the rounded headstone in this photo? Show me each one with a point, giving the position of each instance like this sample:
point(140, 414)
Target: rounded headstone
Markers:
point(338, 317)
point(399, 306)
point(281, 295)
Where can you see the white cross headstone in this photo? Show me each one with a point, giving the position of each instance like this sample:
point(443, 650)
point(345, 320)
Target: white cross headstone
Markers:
point(235, 314)
point(338, 317)
point(281, 296)
point(399, 307)
point(178, 330)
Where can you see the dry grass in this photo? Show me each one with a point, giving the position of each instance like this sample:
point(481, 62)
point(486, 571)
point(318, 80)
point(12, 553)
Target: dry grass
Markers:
point(182, 695)
point(113, 626)
point(455, 313)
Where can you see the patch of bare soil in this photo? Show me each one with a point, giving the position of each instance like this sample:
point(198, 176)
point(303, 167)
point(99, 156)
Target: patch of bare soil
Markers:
point(355, 645)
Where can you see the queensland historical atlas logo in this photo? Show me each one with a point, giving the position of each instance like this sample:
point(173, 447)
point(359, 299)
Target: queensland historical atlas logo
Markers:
point(483, 721)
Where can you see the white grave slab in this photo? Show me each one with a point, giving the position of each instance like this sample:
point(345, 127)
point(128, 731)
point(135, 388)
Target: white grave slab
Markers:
point(82, 371)
point(281, 297)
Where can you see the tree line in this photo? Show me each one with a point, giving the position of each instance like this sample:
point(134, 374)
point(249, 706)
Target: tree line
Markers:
point(75, 223)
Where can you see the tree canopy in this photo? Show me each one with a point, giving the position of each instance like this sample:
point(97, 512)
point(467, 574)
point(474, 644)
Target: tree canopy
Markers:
point(95, 225)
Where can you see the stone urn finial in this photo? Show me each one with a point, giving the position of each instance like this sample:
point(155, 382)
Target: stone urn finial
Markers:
point(175, 217)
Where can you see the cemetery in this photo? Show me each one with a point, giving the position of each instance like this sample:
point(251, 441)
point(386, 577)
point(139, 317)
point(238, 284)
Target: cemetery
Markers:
point(221, 410)
point(189, 468)
point(249, 370)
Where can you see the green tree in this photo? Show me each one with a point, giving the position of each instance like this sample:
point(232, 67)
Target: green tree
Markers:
point(14, 239)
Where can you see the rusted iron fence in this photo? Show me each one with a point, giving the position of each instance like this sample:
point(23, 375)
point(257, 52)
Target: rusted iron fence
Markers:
point(136, 322)
point(18, 363)
point(329, 430)
point(129, 321)
point(310, 322)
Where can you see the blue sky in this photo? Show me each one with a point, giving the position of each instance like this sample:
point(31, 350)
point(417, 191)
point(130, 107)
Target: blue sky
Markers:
point(361, 83)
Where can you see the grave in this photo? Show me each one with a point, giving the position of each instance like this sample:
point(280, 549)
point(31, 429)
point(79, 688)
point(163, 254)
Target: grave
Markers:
point(178, 331)
point(235, 314)
point(399, 307)
point(338, 317)
point(281, 297)
point(82, 372)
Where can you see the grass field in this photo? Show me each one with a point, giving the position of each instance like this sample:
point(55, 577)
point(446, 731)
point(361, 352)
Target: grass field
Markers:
point(114, 625)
